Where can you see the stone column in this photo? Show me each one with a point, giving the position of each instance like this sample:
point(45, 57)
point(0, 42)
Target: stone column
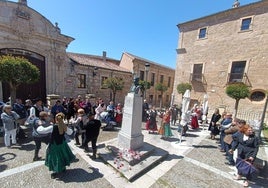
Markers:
point(51, 100)
point(130, 136)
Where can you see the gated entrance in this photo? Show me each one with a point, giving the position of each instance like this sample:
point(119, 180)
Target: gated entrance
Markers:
point(28, 91)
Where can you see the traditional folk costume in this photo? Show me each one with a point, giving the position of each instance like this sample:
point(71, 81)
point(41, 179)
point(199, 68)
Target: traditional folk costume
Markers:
point(59, 155)
point(151, 122)
point(165, 129)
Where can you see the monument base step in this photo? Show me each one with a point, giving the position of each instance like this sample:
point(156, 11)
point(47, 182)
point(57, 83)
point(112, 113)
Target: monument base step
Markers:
point(132, 164)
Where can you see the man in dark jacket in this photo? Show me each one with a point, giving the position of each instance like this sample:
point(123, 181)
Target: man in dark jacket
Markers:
point(92, 132)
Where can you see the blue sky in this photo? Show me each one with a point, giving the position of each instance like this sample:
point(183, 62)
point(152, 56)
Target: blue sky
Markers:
point(145, 28)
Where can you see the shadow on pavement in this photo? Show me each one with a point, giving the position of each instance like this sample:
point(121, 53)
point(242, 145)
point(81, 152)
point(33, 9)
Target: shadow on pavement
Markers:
point(80, 175)
point(204, 146)
point(27, 147)
point(171, 157)
point(190, 135)
point(6, 157)
point(3, 168)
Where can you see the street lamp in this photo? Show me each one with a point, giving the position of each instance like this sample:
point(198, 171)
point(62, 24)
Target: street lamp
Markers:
point(147, 67)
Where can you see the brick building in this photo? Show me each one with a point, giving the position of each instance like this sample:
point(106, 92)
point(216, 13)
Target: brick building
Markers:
point(222, 48)
point(153, 73)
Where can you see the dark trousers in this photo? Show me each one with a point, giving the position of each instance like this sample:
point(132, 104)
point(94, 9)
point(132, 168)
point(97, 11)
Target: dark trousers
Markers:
point(228, 154)
point(38, 141)
point(93, 144)
point(77, 134)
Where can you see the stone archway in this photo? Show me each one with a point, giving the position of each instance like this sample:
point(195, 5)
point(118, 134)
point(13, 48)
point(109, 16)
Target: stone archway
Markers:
point(28, 91)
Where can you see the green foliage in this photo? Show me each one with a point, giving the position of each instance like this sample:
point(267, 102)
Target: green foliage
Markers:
point(144, 85)
point(115, 84)
point(237, 91)
point(17, 70)
point(161, 87)
point(182, 87)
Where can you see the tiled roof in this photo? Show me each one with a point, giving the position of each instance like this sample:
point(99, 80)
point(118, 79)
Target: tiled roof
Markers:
point(146, 60)
point(96, 61)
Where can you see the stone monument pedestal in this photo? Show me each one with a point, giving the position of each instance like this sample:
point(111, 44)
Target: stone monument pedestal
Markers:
point(130, 136)
point(128, 154)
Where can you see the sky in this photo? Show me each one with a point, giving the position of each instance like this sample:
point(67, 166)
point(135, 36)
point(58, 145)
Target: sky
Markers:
point(145, 28)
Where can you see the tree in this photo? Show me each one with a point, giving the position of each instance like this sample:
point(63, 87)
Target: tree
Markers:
point(16, 71)
point(162, 88)
point(237, 91)
point(115, 84)
point(144, 85)
point(182, 87)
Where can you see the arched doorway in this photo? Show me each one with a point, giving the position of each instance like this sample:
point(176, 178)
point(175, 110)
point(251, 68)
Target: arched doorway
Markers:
point(27, 91)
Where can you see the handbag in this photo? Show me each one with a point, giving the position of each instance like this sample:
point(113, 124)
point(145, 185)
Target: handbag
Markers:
point(245, 167)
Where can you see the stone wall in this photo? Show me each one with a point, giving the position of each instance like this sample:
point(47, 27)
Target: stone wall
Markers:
point(224, 44)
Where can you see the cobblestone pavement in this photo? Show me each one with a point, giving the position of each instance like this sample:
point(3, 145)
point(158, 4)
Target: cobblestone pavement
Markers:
point(199, 165)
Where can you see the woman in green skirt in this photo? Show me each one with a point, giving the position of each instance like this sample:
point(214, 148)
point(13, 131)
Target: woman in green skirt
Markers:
point(59, 155)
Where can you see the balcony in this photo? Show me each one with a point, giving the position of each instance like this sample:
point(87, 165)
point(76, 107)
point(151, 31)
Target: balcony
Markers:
point(198, 78)
point(238, 77)
point(198, 82)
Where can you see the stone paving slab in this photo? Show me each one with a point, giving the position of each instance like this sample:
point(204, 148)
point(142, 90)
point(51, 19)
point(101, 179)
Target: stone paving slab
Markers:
point(79, 174)
point(150, 157)
point(195, 162)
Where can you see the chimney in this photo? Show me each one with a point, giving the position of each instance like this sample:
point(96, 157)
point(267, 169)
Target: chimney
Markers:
point(23, 2)
point(236, 4)
point(104, 56)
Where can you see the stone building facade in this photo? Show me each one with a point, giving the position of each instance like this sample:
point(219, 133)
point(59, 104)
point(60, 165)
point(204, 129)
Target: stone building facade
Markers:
point(222, 48)
point(90, 71)
point(153, 73)
point(25, 32)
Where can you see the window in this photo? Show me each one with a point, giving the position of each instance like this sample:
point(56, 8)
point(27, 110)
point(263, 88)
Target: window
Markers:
point(141, 75)
point(151, 98)
point(257, 96)
point(202, 33)
point(81, 80)
point(197, 72)
point(161, 78)
point(102, 82)
point(246, 23)
point(237, 71)
point(152, 79)
point(167, 98)
point(169, 81)
point(159, 98)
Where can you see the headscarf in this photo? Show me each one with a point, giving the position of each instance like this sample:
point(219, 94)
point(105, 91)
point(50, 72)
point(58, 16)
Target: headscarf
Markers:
point(61, 125)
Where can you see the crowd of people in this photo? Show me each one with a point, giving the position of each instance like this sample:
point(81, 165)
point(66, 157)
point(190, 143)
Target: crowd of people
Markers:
point(237, 141)
point(83, 119)
point(79, 118)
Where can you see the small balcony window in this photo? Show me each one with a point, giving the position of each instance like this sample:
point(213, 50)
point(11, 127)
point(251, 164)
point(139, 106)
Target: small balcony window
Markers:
point(197, 72)
point(237, 71)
